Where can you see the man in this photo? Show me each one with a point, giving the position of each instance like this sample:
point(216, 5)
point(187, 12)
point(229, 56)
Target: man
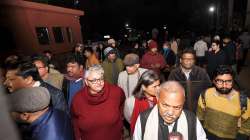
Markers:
point(153, 59)
point(113, 44)
point(200, 48)
point(73, 81)
point(98, 108)
point(31, 106)
point(112, 66)
point(55, 79)
point(168, 116)
point(52, 63)
point(25, 74)
point(192, 77)
point(215, 57)
point(128, 79)
point(9, 131)
point(220, 110)
point(230, 50)
point(245, 38)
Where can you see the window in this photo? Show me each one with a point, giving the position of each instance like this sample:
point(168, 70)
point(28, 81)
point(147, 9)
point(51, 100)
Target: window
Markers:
point(58, 34)
point(42, 34)
point(69, 34)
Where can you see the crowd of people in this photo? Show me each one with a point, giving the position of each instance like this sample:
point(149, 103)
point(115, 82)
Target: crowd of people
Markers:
point(152, 91)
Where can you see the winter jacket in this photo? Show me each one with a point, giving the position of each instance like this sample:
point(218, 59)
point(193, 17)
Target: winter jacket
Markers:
point(58, 100)
point(198, 82)
point(52, 125)
point(112, 70)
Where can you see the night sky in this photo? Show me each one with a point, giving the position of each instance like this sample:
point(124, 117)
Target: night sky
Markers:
point(109, 16)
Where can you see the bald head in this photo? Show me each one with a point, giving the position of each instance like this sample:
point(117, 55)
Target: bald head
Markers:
point(171, 87)
point(171, 98)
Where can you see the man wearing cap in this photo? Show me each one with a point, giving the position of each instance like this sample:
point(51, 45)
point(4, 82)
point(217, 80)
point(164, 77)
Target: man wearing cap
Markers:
point(128, 78)
point(153, 59)
point(31, 106)
point(112, 43)
point(112, 66)
point(25, 74)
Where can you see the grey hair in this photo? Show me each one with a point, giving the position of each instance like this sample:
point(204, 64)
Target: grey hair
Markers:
point(94, 69)
point(171, 87)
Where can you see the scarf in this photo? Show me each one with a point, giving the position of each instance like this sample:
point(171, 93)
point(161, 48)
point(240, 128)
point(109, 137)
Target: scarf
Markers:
point(140, 106)
point(152, 125)
point(95, 99)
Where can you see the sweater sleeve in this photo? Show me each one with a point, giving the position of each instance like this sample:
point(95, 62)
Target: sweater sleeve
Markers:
point(74, 118)
point(200, 110)
point(121, 66)
point(122, 100)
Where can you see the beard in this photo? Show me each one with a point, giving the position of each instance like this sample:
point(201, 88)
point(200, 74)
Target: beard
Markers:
point(224, 90)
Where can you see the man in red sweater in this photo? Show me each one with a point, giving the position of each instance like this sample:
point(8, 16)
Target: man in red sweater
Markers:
point(153, 59)
point(97, 109)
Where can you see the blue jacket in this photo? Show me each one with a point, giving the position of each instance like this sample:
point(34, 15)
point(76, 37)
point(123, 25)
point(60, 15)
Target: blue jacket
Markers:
point(57, 99)
point(53, 125)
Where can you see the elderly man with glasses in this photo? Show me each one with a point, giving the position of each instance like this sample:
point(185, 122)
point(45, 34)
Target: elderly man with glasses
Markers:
point(221, 111)
point(97, 109)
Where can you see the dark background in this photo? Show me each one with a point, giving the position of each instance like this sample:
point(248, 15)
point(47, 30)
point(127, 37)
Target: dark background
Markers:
point(109, 16)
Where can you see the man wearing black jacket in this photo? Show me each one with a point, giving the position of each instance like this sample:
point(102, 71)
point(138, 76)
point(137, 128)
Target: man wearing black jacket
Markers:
point(192, 77)
point(21, 74)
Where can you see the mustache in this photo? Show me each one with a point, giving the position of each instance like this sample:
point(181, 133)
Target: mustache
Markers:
point(166, 114)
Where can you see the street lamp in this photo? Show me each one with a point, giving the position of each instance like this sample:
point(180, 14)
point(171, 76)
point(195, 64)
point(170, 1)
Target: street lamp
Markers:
point(126, 25)
point(211, 9)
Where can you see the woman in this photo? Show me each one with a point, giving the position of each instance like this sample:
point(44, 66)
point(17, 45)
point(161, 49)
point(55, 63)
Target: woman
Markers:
point(96, 110)
point(91, 57)
point(143, 97)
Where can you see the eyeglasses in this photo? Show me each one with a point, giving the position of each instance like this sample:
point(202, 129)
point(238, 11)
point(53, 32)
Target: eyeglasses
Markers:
point(95, 81)
point(40, 67)
point(187, 59)
point(227, 82)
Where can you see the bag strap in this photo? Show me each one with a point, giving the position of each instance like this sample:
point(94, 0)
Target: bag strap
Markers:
point(243, 95)
point(203, 99)
point(243, 101)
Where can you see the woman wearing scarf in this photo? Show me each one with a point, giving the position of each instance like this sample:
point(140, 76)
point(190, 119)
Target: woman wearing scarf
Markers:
point(143, 97)
point(96, 109)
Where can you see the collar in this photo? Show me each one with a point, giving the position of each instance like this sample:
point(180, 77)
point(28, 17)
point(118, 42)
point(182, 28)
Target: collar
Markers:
point(36, 84)
point(78, 80)
point(229, 96)
point(185, 71)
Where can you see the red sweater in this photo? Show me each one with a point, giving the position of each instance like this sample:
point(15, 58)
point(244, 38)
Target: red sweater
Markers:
point(97, 117)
